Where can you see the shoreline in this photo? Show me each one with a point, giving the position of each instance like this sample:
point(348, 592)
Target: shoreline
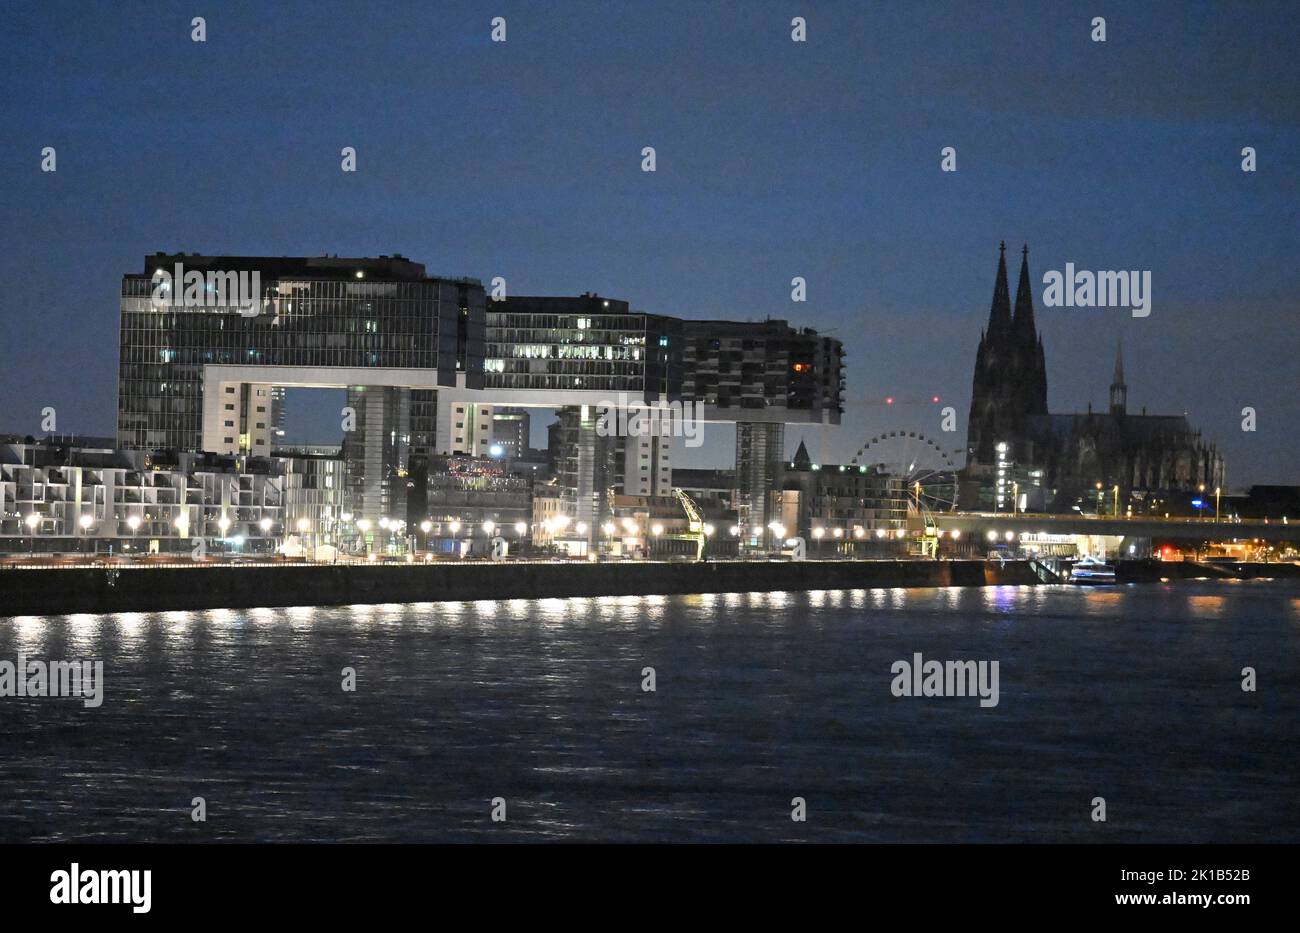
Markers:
point(64, 591)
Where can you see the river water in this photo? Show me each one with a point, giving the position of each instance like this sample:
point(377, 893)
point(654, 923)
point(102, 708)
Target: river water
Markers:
point(1132, 693)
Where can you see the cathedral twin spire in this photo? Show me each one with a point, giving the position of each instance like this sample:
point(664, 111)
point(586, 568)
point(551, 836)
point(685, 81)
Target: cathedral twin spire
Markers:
point(1010, 371)
point(1001, 321)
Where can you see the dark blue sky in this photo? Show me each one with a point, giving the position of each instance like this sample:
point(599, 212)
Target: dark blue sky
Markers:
point(775, 159)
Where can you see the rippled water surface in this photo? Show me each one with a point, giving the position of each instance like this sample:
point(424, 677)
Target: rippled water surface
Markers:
point(1130, 693)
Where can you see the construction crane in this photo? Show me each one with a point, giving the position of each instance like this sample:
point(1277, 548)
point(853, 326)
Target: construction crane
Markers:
point(694, 523)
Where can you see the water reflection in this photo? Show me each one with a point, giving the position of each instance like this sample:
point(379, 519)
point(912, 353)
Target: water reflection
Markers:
point(542, 701)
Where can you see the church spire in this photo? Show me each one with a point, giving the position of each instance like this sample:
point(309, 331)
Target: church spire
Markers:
point(1000, 312)
point(801, 459)
point(1024, 320)
point(1118, 390)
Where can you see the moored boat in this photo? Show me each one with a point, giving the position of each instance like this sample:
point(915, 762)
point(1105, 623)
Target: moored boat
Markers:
point(1093, 571)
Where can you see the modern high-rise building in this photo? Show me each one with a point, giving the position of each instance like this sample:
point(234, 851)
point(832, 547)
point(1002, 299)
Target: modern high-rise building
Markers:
point(207, 340)
point(190, 349)
point(279, 414)
point(762, 376)
point(511, 428)
point(210, 343)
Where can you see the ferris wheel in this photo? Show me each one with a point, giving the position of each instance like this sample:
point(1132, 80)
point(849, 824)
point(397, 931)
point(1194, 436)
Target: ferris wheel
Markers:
point(920, 463)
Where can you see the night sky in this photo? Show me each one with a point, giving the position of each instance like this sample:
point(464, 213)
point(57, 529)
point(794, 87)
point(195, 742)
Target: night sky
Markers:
point(775, 159)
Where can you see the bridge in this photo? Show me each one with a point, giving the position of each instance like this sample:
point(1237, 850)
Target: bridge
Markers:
point(1137, 526)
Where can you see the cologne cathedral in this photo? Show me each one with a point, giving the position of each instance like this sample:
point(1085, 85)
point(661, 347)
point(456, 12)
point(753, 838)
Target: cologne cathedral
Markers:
point(1048, 462)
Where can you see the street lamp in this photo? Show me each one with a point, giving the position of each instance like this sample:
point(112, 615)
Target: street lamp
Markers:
point(521, 528)
point(33, 522)
point(85, 522)
point(303, 525)
point(1217, 490)
point(223, 524)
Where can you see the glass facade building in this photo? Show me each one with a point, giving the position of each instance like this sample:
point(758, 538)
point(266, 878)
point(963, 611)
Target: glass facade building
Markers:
point(314, 313)
point(585, 343)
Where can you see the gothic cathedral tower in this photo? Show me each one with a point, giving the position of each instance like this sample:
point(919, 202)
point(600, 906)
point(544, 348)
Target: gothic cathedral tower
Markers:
point(1010, 381)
